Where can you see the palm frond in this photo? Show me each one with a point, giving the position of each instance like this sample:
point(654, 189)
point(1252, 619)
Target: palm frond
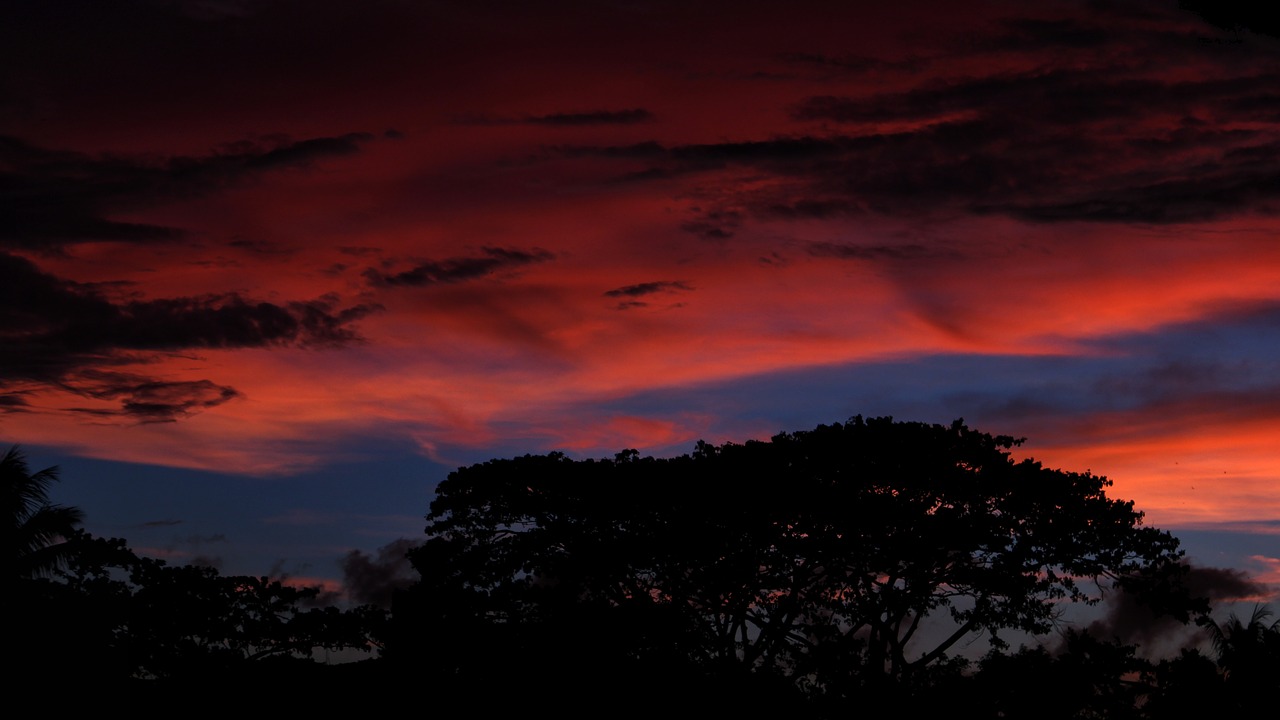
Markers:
point(35, 528)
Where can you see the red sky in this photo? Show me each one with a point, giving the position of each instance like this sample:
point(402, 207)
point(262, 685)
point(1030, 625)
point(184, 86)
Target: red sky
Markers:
point(262, 239)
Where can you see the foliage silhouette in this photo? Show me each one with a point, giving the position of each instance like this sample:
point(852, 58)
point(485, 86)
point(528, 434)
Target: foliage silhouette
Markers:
point(1248, 655)
point(94, 608)
point(174, 621)
point(35, 527)
point(1186, 686)
point(1085, 678)
point(134, 631)
point(815, 558)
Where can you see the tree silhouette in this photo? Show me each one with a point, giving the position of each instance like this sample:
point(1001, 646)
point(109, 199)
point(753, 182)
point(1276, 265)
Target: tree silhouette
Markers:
point(1239, 644)
point(158, 620)
point(35, 527)
point(189, 621)
point(1248, 654)
point(95, 624)
point(1085, 677)
point(1185, 686)
point(816, 557)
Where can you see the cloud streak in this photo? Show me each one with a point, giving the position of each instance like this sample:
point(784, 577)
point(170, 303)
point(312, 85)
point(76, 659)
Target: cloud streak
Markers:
point(50, 199)
point(493, 260)
point(1130, 620)
point(65, 334)
point(648, 288)
point(632, 116)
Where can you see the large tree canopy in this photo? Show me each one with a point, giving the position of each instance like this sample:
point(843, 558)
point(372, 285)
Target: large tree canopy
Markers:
point(816, 556)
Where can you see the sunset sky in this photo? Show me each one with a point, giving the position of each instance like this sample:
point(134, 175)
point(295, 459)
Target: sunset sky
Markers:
point(270, 269)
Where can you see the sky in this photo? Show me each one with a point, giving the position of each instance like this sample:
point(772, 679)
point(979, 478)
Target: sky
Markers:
point(271, 269)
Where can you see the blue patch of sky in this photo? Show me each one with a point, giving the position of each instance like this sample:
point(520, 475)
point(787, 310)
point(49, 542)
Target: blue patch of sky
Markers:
point(1234, 352)
point(308, 520)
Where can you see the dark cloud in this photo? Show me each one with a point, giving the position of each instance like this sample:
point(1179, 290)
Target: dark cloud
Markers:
point(1210, 192)
point(631, 116)
point(1235, 15)
point(1168, 380)
point(358, 251)
point(260, 247)
point(52, 198)
point(1036, 34)
point(869, 252)
point(249, 157)
point(642, 150)
point(206, 560)
point(1015, 144)
point(1131, 621)
point(13, 402)
point(803, 156)
point(195, 547)
point(773, 259)
point(594, 117)
point(58, 333)
point(1030, 35)
point(769, 153)
point(1093, 143)
point(649, 288)
point(814, 176)
point(1223, 584)
point(1074, 393)
point(151, 401)
point(810, 209)
point(44, 315)
point(706, 230)
point(160, 523)
point(281, 572)
point(1045, 99)
point(371, 579)
point(714, 225)
point(1062, 97)
point(632, 293)
point(459, 269)
point(853, 63)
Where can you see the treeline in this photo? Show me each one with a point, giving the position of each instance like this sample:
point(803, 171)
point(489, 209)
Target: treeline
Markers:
point(118, 615)
point(95, 625)
point(849, 569)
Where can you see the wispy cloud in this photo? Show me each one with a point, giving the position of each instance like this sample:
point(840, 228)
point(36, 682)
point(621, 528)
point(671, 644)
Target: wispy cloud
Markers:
point(459, 269)
point(52, 198)
point(649, 288)
point(568, 120)
point(68, 335)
